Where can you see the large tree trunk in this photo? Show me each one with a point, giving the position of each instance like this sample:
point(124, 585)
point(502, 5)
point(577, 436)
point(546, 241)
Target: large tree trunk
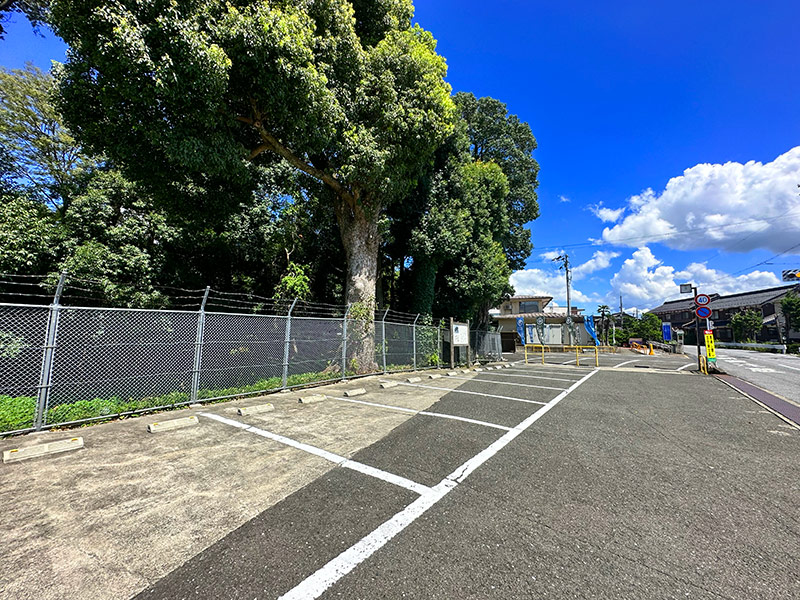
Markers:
point(359, 230)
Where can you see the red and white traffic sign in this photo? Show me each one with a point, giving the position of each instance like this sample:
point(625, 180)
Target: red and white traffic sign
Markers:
point(702, 299)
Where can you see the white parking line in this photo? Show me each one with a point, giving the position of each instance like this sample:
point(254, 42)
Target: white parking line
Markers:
point(551, 371)
point(424, 413)
point(527, 385)
point(788, 367)
point(627, 362)
point(686, 366)
point(430, 387)
point(316, 584)
point(532, 377)
point(413, 486)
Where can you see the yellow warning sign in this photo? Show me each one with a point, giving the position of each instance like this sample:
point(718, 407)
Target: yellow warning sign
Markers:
point(711, 352)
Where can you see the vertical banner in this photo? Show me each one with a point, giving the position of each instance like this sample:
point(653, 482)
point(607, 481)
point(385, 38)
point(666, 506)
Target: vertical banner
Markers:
point(521, 329)
point(711, 352)
point(529, 339)
point(588, 323)
point(540, 330)
point(666, 331)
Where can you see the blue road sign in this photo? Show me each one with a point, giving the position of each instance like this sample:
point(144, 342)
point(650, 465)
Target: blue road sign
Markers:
point(703, 312)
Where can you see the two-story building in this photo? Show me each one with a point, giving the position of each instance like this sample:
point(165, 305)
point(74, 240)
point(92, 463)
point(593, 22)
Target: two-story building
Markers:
point(680, 313)
point(529, 308)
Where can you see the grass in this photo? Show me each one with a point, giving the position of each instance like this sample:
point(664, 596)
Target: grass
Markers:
point(18, 412)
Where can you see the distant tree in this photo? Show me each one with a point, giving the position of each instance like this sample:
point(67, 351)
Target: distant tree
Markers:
point(790, 307)
point(496, 136)
point(649, 328)
point(43, 157)
point(604, 312)
point(746, 324)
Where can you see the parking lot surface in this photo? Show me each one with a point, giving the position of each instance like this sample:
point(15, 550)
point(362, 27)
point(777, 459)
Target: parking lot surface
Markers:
point(537, 480)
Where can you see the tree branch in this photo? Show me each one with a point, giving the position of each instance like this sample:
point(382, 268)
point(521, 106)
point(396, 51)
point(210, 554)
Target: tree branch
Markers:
point(272, 143)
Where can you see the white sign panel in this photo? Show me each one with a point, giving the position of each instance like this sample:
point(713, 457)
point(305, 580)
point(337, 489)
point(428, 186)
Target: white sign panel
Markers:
point(460, 335)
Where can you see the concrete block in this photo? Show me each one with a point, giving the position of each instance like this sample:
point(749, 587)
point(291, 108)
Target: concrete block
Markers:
point(312, 398)
point(255, 410)
point(414, 379)
point(466, 371)
point(385, 385)
point(196, 405)
point(355, 392)
point(478, 369)
point(18, 454)
point(452, 373)
point(172, 424)
point(434, 376)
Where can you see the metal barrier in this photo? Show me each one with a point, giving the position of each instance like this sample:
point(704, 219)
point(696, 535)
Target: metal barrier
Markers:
point(578, 351)
point(61, 365)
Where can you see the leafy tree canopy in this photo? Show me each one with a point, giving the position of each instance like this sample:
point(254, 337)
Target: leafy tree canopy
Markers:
point(349, 94)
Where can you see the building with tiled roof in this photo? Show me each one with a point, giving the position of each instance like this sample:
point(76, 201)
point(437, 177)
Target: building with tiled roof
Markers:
point(680, 313)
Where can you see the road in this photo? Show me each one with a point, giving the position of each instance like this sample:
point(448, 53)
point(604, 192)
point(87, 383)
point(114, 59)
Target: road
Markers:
point(776, 373)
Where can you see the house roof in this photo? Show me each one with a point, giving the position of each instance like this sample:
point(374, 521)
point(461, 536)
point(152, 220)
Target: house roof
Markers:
point(753, 298)
point(548, 315)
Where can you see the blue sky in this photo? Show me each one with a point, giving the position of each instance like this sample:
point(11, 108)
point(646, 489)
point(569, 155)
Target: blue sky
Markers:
point(624, 99)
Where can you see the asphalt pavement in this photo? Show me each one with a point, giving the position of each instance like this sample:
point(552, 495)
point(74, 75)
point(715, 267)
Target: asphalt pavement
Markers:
point(776, 373)
point(559, 482)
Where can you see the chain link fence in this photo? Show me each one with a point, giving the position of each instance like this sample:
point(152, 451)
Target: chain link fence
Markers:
point(64, 364)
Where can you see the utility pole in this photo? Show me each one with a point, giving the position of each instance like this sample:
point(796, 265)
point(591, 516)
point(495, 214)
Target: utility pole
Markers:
point(564, 260)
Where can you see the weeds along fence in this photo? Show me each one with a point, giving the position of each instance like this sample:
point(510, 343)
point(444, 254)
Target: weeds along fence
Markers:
point(68, 364)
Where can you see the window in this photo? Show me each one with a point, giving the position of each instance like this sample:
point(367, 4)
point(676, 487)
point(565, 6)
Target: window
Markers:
point(528, 307)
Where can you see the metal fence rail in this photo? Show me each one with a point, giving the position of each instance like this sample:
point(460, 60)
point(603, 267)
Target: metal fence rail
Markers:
point(61, 364)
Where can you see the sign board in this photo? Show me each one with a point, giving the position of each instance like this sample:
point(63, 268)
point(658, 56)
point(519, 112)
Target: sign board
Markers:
point(792, 275)
point(703, 312)
point(666, 331)
point(460, 334)
point(686, 288)
point(702, 299)
point(711, 353)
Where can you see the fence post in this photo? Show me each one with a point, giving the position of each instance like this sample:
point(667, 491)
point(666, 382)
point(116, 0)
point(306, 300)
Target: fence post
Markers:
point(383, 339)
point(439, 348)
point(344, 342)
point(198, 346)
point(414, 340)
point(286, 340)
point(46, 373)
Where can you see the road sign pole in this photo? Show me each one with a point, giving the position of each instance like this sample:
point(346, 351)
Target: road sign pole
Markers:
point(697, 329)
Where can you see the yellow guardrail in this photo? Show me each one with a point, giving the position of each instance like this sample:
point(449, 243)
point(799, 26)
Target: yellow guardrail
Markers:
point(578, 350)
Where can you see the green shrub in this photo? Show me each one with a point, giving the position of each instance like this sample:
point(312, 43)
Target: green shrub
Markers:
point(17, 412)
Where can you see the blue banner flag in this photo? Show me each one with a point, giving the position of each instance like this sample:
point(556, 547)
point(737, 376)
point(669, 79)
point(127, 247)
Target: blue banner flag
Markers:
point(521, 329)
point(666, 331)
point(588, 323)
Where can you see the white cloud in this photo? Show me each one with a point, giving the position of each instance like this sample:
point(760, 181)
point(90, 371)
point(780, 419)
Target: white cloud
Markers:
point(601, 259)
point(607, 215)
point(734, 207)
point(564, 199)
point(547, 283)
point(645, 281)
point(550, 255)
